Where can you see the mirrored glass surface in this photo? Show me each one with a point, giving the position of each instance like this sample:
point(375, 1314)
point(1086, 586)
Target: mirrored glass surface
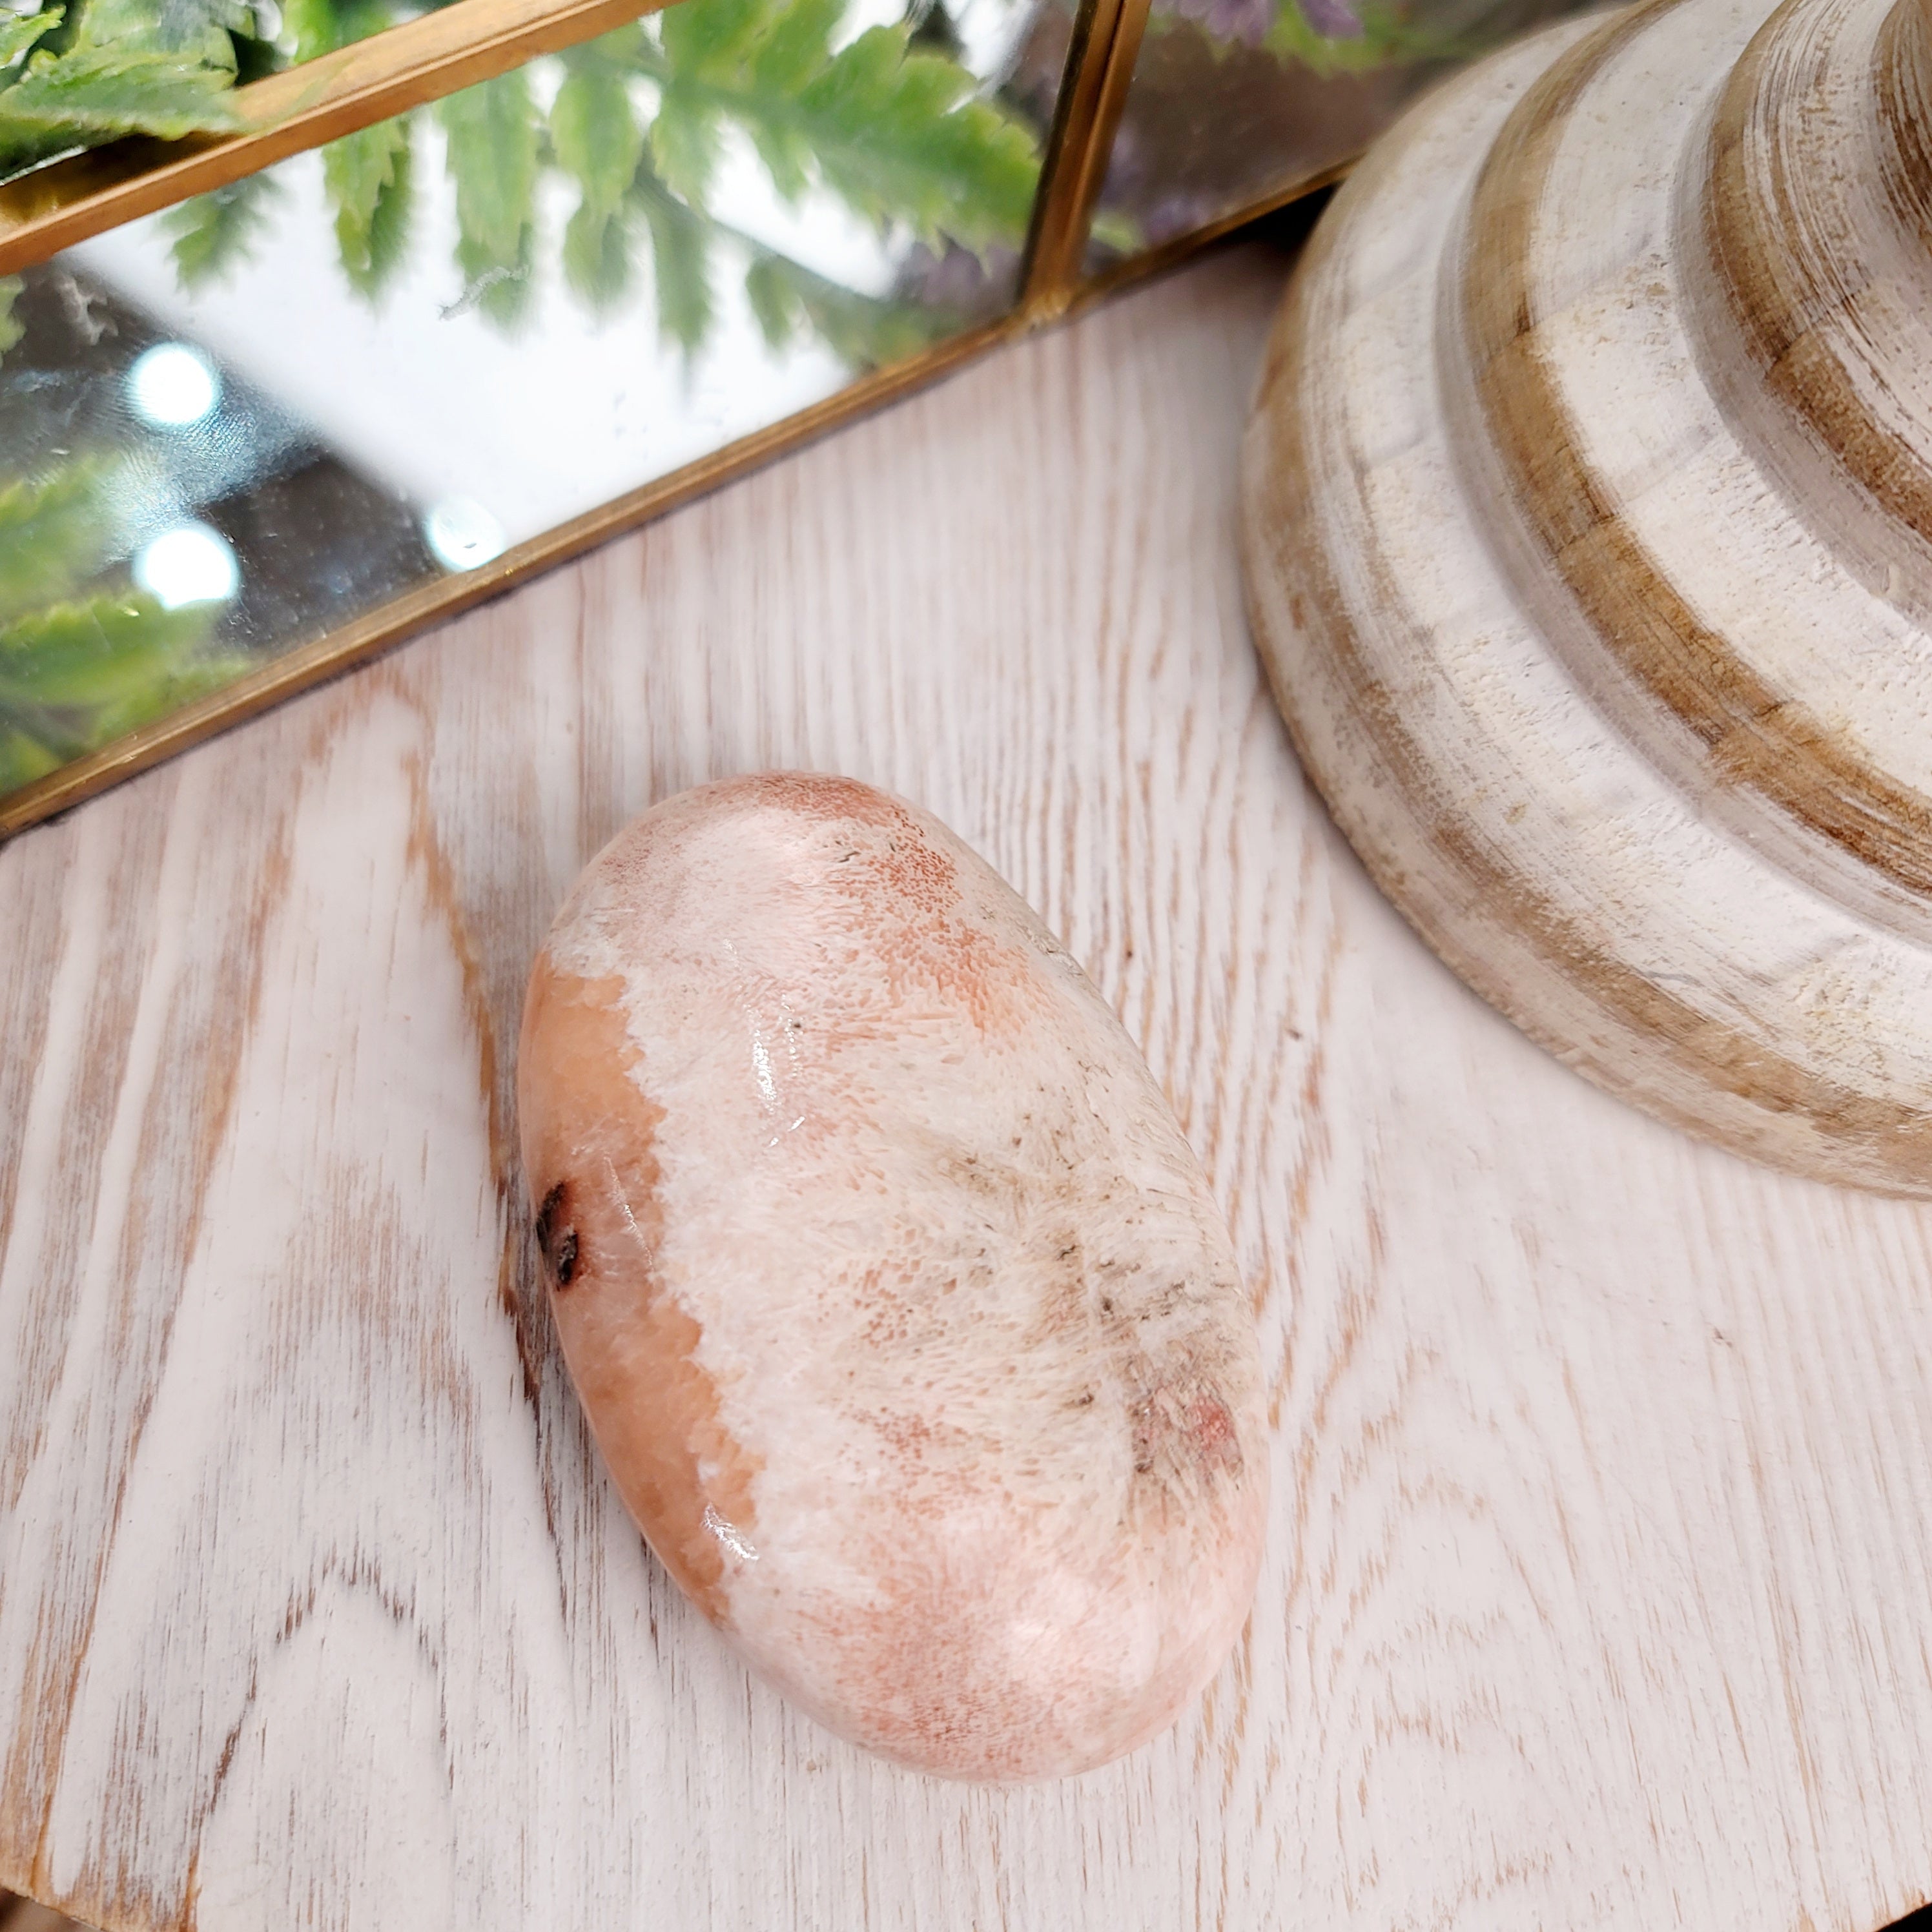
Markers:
point(1233, 103)
point(403, 354)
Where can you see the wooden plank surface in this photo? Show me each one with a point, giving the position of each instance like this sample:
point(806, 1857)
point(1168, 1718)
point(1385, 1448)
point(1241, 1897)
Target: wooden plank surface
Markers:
point(1597, 1592)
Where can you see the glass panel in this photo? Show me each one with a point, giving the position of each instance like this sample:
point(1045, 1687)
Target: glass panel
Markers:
point(1233, 102)
point(226, 429)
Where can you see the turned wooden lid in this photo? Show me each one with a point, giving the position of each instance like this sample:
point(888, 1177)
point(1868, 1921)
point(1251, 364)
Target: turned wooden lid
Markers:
point(1589, 540)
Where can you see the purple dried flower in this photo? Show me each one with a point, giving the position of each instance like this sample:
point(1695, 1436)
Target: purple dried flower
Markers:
point(1332, 19)
point(1246, 21)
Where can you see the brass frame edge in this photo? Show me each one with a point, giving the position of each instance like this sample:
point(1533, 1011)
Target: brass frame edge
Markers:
point(1100, 68)
point(51, 207)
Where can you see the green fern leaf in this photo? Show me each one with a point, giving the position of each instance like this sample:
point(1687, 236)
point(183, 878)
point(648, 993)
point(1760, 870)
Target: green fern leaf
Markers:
point(898, 134)
point(593, 130)
point(894, 138)
point(367, 176)
point(310, 26)
point(212, 233)
point(709, 40)
point(82, 662)
point(113, 651)
point(787, 155)
point(774, 301)
point(685, 144)
point(105, 91)
point(597, 261)
point(53, 534)
point(793, 45)
point(862, 330)
point(680, 255)
point(596, 138)
point(22, 759)
point(493, 156)
point(784, 61)
point(11, 327)
point(1119, 233)
point(499, 290)
point(100, 69)
point(18, 31)
point(163, 683)
point(321, 26)
point(118, 67)
point(198, 32)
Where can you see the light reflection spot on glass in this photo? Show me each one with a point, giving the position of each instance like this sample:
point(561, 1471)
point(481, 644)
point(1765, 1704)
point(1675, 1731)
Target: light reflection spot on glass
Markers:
point(171, 385)
point(189, 565)
point(461, 535)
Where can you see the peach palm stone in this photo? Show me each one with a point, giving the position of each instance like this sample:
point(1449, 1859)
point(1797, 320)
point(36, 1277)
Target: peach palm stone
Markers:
point(897, 1303)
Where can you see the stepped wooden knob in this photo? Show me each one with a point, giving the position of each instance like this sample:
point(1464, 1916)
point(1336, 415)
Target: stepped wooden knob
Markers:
point(1589, 526)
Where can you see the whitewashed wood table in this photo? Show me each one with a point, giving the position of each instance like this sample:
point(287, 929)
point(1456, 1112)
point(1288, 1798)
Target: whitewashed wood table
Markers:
point(1597, 1591)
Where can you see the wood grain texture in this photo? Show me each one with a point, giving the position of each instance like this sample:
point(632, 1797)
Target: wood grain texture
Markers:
point(1596, 1592)
point(1816, 326)
point(1622, 687)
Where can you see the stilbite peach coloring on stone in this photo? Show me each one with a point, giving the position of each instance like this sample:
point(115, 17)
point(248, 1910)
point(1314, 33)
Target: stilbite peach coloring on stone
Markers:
point(896, 1299)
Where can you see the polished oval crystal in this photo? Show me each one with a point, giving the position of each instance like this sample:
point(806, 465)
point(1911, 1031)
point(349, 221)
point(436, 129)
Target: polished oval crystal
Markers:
point(897, 1301)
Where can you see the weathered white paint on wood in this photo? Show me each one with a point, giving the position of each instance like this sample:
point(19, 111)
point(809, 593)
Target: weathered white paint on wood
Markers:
point(1597, 1590)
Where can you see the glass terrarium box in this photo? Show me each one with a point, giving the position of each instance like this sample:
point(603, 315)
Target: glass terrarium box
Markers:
point(319, 319)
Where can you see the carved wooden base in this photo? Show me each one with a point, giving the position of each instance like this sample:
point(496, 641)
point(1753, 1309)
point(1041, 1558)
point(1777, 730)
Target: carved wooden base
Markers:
point(1589, 522)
